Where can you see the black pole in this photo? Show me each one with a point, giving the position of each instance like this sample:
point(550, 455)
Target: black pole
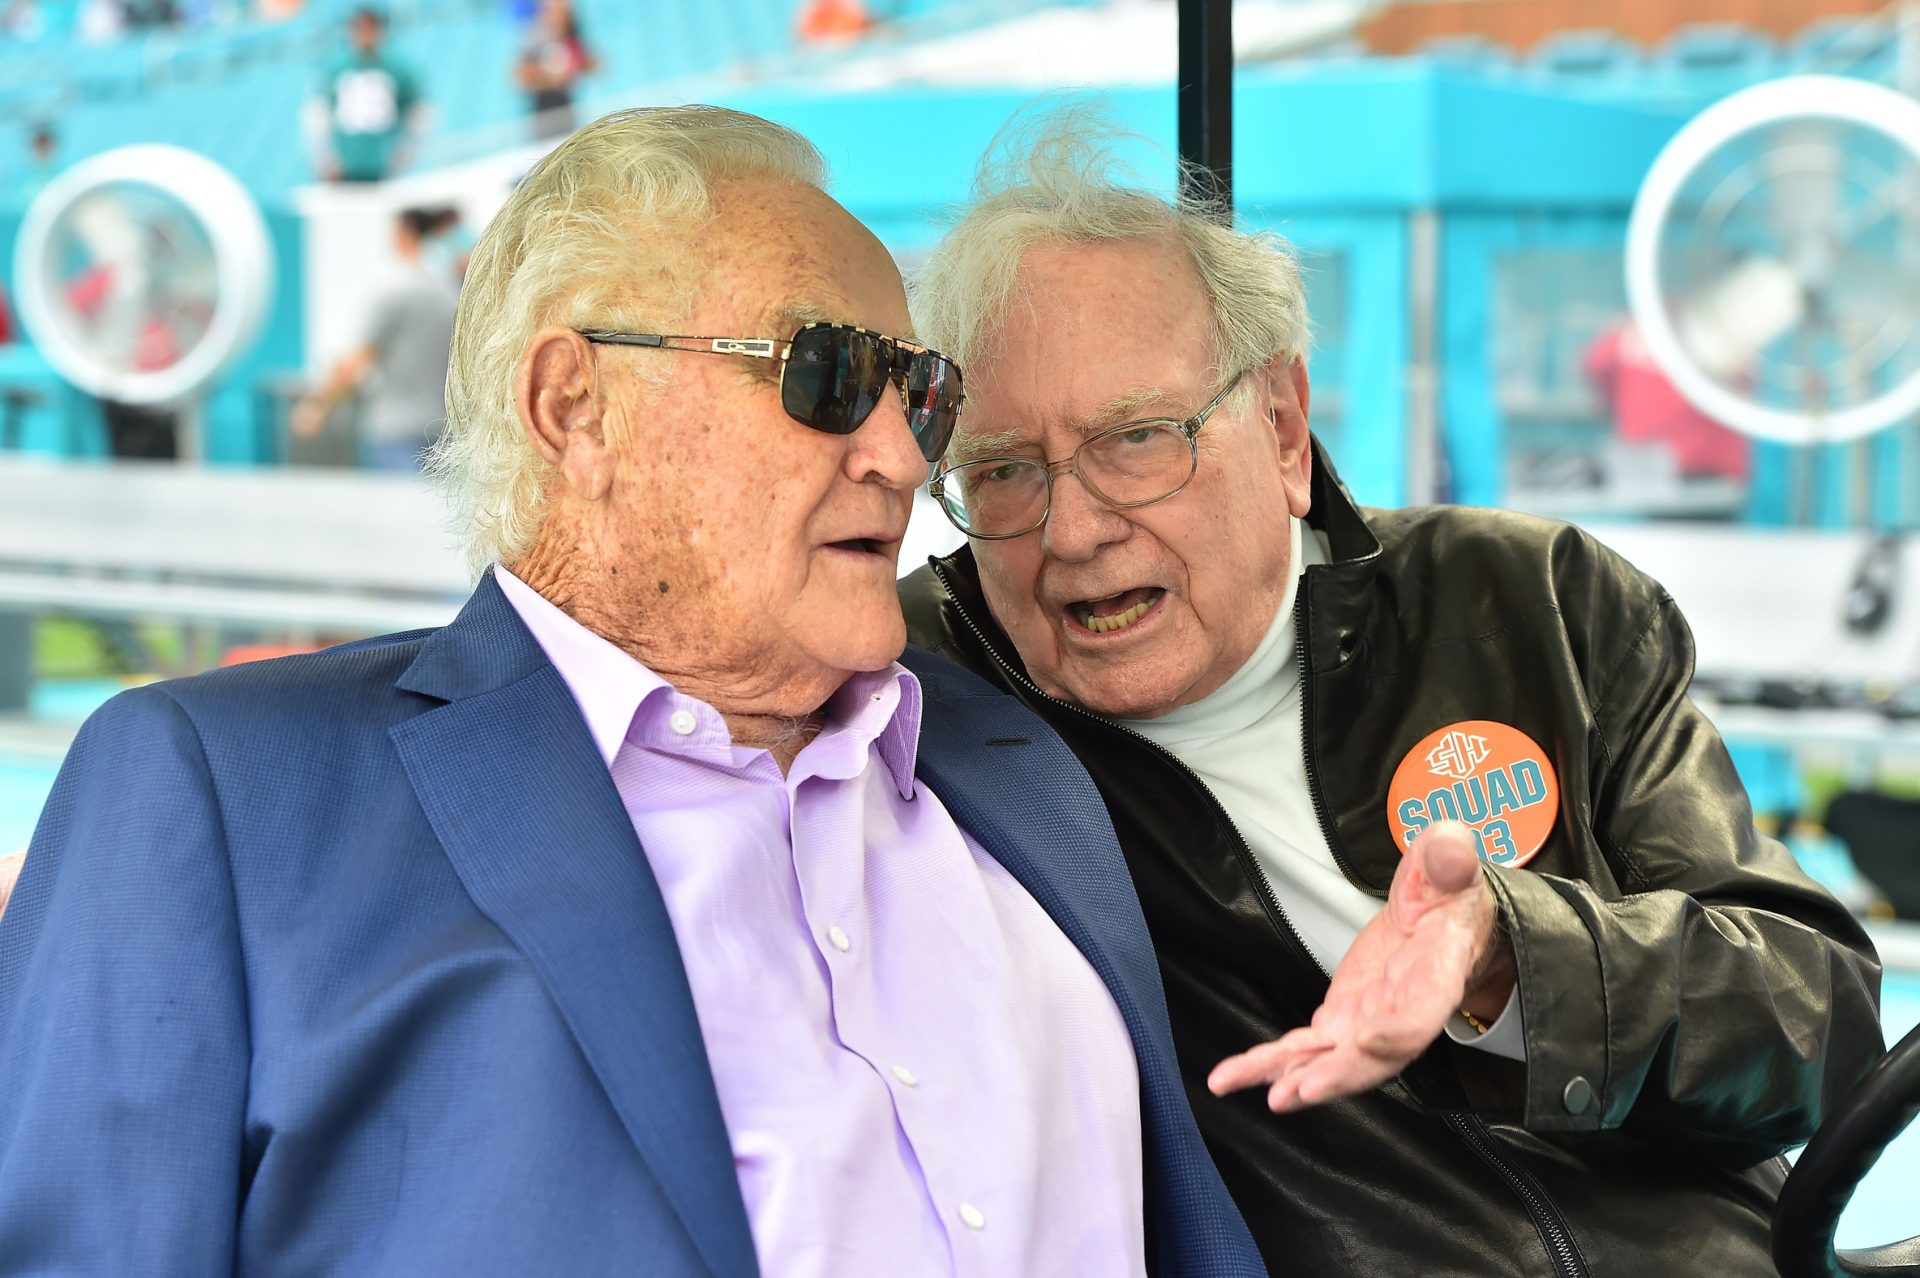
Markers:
point(1206, 100)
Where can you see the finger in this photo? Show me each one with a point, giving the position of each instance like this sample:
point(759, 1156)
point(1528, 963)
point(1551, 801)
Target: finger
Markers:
point(1284, 1095)
point(1339, 1074)
point(1326, 1076)
point(1441, 867)
point(1448, 855)
point(1266, 1062)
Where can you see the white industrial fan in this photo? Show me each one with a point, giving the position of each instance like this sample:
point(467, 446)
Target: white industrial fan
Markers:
point(142, 274)
point(1773, 260)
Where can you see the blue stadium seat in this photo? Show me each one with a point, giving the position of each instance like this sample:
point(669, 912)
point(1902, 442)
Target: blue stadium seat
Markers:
point(1592, 55)
point(234, 92)
point(1719, 56)
point(1476, 52)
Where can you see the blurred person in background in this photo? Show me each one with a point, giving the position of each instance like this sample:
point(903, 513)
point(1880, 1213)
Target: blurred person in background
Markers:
point(1570, 1038)
point(146, 14)
point(102, 21)
point(553, 60)
point(43, 161)
point(22, 20)
point(399, 367)
point(367, 107)
point(416, 956)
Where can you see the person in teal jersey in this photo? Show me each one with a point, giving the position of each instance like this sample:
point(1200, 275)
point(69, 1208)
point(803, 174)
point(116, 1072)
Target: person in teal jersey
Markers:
point(369, 103)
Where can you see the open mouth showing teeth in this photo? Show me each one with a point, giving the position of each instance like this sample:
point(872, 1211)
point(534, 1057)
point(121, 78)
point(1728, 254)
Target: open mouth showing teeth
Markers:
point(1116, 612)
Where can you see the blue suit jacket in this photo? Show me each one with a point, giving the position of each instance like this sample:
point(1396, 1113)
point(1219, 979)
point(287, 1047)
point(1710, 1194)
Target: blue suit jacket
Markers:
point(351, 964)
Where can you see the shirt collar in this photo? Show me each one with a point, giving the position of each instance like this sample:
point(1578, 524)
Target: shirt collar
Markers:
point(610, 686)
point(607, 683)
point(884, 707)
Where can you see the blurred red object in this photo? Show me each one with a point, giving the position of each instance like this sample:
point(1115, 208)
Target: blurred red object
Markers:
point(834, 20)
point(241, 653)
point(1648, 410)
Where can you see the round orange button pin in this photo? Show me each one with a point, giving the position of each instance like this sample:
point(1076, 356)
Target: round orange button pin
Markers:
point(1488, 775)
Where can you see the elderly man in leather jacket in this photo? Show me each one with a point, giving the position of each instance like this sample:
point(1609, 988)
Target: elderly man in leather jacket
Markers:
point(1582, 1053)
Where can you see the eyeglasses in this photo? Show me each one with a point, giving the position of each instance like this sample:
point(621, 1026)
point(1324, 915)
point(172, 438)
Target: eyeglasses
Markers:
point(832, 376)
point(1133, 464)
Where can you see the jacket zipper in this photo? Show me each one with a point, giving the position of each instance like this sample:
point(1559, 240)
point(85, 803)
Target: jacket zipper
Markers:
point(1562, 1251)
point(1301, 657)
point(1268, 897)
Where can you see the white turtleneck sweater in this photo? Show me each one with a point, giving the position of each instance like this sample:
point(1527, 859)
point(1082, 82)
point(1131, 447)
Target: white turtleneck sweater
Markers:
point(1244, 741)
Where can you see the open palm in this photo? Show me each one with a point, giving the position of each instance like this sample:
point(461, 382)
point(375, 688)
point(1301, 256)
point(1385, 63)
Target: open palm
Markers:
point(1413, 964)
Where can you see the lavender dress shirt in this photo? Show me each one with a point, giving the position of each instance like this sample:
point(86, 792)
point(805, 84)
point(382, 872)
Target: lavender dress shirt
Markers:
point(920, 1074)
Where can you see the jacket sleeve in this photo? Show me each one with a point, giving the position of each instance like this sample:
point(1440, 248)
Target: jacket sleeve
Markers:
point(1725, 1002)
point(123, 1030)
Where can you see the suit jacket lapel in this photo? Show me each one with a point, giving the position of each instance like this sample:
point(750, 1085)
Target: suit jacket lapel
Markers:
point(983, 756)
point(526, 811)
point(1014, 785)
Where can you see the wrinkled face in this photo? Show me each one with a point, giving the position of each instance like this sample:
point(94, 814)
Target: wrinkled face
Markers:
point(1098, 335)
point(765, 551)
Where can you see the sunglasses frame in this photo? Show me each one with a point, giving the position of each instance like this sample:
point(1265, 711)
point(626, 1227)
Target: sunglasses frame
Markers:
point(774, 348)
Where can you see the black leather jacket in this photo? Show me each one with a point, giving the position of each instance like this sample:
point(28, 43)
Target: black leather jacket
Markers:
point(1693, 1003)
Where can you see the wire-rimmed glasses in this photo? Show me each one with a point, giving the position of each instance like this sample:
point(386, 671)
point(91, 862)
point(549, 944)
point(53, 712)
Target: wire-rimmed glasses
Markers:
point(1136, 463)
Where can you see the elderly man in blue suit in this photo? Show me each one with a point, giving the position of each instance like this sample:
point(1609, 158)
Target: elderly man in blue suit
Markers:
point(649, 918)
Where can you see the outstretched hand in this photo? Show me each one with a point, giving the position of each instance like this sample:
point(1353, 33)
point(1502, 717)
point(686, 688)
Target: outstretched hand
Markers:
point(1432, 950)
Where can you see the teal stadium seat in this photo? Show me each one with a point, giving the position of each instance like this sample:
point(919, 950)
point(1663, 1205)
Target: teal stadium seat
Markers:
point(1718, 57)
point(234, 92)
point(1592, 56)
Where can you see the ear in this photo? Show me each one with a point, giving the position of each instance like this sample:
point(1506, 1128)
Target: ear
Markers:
point(1284, 377)
point(558, 395)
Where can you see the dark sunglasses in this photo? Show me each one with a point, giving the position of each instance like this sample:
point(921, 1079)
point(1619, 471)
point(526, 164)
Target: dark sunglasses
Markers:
point(832, 376)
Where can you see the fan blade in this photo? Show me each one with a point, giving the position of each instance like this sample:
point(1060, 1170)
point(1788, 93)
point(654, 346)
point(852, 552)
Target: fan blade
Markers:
point(1873, 284)
point(1729, 322)
point(1805, 165)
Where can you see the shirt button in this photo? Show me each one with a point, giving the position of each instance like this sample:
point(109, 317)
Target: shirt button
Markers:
point(906, 1076)
point(683, 722)
point(839, 939)
point(972, 1217)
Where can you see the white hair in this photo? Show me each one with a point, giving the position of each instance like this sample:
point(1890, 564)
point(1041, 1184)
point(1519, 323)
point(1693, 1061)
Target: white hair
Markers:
point(596, 235)
point(1058, 179)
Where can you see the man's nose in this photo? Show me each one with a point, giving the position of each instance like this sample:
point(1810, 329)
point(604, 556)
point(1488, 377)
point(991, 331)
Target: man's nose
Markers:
point(883, 448)
point(1078, 523)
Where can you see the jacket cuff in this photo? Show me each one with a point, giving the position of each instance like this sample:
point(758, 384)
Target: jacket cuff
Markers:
point(1561, 980)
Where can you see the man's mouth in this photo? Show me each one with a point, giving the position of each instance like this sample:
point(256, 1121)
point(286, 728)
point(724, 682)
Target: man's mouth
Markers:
point(1115, 612)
